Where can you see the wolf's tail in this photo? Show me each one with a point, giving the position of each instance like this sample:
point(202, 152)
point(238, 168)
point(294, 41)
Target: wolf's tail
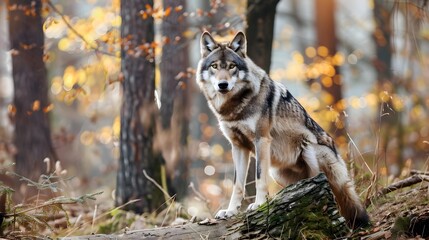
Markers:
point(345, 194)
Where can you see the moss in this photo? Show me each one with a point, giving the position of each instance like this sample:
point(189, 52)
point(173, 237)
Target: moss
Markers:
point(306, 210)
point(400, 226)
point(118, 221)
point(313, 234)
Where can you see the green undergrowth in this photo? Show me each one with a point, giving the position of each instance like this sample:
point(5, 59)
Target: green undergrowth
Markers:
point(118, 220)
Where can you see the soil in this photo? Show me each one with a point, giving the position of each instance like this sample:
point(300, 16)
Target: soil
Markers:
point(402, 214)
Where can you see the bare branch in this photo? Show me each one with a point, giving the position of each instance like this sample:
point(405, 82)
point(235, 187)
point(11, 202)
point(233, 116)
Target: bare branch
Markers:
point(418, 172)
point(94, 47)
point(414, 179)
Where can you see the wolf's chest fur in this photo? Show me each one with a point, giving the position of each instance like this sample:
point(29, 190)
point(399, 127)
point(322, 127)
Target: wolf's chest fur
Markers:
point(273, 112)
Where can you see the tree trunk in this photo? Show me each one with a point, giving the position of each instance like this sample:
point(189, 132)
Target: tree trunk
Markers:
point(175, 109)
point(389, 119)
point(32, 129)
point(138, 112)
point(327, 37)
point(260, 33)
point(305, 210)
point(382, 35)
point(6, 86)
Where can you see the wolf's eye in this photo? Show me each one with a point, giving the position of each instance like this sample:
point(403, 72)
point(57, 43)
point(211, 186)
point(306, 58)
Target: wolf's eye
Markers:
point(214, 66)
point(231, 66)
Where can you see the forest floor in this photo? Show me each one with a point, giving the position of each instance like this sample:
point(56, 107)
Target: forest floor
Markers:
point(402, 214)
point(400, 211)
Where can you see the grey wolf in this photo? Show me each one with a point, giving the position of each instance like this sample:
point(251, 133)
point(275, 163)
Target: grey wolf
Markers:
point(261, 118)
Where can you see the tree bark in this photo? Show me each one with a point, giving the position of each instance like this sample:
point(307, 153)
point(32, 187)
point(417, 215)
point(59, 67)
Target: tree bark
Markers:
point(175, 102)
point(389, 119)
point(382, 39)
point(138, 112)
point(32, 128)
point(327, 37)
point(6, 95)
point(260, 33)
point(305, 210)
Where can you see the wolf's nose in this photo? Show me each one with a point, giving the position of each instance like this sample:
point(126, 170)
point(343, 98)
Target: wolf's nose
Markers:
point(223, 85)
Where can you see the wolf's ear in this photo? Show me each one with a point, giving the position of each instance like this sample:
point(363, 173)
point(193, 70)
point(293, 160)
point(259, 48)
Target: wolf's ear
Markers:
point(207, 44)
point(239, 44)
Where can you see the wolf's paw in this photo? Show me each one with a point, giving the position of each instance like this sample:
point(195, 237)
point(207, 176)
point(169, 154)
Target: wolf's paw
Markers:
point(253, 206)
point(225, 213)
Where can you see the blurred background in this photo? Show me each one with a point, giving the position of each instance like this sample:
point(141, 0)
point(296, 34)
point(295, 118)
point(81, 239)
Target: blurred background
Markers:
point(360, 68)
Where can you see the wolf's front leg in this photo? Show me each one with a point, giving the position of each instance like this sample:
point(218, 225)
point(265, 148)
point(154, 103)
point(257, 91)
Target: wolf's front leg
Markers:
point(240, 157)
point(263, 162)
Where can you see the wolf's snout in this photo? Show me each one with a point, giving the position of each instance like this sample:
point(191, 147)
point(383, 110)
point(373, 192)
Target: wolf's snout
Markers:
point(223, 86)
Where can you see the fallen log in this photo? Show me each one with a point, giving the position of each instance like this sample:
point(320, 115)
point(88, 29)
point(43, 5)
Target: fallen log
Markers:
point(305, 210)
point(413, 179)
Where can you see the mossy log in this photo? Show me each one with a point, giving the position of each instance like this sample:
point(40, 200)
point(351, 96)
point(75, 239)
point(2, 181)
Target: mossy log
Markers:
point(305, 210)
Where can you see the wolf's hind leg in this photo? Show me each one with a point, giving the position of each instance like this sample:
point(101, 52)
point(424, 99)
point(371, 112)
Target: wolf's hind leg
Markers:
point(308, 154)
point(305, 166)
point(240, 157)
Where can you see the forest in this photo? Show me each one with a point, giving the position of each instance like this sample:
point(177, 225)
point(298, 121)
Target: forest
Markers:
point(104, 132)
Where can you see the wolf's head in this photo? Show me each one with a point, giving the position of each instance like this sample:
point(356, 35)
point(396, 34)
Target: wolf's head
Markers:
point(223, 65)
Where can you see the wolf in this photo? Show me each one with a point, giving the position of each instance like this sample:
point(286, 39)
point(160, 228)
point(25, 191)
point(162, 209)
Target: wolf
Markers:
point(261, 118)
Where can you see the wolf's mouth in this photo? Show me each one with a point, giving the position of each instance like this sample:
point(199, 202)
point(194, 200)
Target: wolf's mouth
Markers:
point(223, 91)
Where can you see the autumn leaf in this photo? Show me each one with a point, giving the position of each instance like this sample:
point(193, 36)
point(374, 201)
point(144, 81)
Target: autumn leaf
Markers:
point(48, 108)
point(27, 46)
point(178, 8)
point(36, 106)
point(154, 44)
point(13, 7)
point(200, 12)
point(14, 52)
point(11, 109)
point(156, 10)
point(132, 52)
point(143, 14)
point(46, 57)
point(167, 12)
point(49, 22)
point(166, 40)
point(179, 76)
point(182, 85)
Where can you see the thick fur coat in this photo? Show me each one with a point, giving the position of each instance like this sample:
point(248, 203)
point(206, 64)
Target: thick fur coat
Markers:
point(261, 118)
